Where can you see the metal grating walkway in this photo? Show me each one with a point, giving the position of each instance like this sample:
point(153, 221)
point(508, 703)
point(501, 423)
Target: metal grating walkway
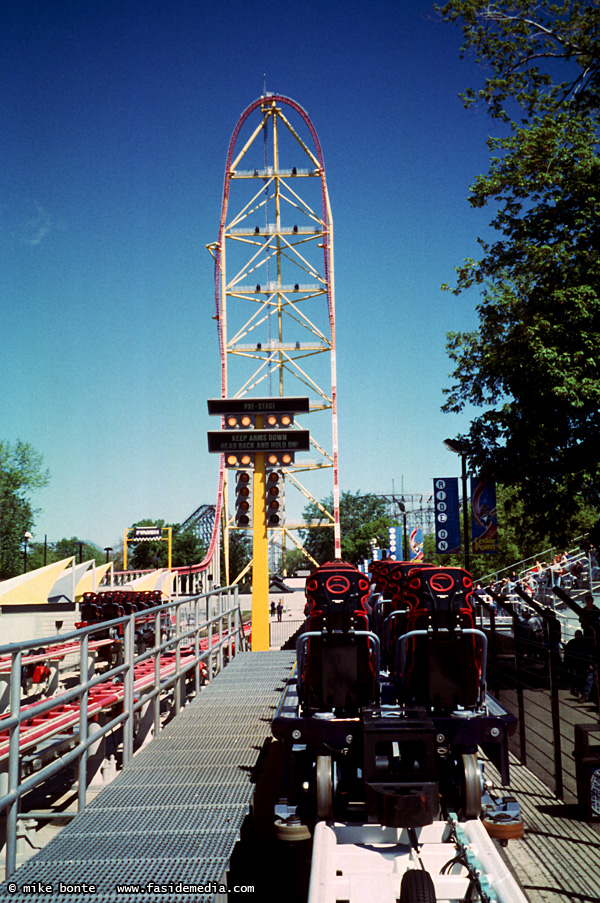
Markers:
point(174, 814)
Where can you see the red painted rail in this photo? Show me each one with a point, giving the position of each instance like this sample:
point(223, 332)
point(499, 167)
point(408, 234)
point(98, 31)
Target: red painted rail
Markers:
point(36, 728)
point(101, 697)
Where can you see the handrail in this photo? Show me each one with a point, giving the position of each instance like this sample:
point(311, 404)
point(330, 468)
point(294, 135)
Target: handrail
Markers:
point(402, 643)
point(521, 565)
point(185, 653)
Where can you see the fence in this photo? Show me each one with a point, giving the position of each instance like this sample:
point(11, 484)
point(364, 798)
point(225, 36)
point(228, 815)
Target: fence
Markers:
point(177, 642)
point(281, 631)
point(542, 686)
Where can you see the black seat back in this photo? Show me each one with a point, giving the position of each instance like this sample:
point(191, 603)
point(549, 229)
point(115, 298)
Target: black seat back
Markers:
point(442, 669)
point(337, 668)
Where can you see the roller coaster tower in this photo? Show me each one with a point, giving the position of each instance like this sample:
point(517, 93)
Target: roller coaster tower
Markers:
point(274, 292)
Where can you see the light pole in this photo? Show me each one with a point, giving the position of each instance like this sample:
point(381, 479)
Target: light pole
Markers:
point(26, 537)
point(107, 549)
point(405, 550)
point(459, 448)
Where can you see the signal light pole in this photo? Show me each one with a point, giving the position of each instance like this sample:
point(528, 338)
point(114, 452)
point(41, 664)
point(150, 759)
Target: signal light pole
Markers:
point(260, 553)
point(259, 433)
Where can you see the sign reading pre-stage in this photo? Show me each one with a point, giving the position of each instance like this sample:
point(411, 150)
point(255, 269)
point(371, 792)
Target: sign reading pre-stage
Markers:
point(447, 515)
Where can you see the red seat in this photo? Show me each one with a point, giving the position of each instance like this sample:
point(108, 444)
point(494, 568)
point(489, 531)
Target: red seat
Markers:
point(390, 616)
point(442, 667)
point(338, 660)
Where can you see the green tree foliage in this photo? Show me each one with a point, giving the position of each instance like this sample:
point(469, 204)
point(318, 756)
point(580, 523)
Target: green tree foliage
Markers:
point(295, 561)
point(21, 471)
point(188, 548)
point(64, 548)
point(362, 518)
point(240, 553)
point(533, 365)
point(518, 538)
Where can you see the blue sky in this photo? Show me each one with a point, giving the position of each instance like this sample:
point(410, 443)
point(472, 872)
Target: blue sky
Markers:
point(116, 119)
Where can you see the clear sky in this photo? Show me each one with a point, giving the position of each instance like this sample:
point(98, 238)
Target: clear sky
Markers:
point(116, 119)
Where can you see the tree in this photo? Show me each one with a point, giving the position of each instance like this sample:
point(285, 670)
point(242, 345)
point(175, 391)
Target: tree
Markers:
point(362, 518)
point(240, 553)
point(21, 470)
point(533, 365)
point(64, 548)
point(295, 561)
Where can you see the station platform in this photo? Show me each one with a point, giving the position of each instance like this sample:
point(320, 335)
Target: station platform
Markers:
point(174, 814)
point(558, 858)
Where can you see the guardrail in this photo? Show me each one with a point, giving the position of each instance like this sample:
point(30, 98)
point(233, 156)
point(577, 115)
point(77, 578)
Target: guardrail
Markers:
point(281, 631)
point(191, 636)
point(541, 682)
point(523, 567)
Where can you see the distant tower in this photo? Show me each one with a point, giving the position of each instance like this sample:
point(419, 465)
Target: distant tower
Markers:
point(274, 290)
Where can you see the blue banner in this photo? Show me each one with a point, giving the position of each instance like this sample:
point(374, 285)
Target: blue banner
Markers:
point(484, 520)
point(447, 515)
point(416, 544)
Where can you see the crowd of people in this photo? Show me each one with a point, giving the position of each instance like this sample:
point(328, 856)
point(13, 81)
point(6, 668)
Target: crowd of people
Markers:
point(538, 628)
point(565, 571)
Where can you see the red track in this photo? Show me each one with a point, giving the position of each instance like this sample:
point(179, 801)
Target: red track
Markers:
point(102, 697)
point(273, 98)
point(54, 653)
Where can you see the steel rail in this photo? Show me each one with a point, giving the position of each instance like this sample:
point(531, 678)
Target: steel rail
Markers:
point(135, 693)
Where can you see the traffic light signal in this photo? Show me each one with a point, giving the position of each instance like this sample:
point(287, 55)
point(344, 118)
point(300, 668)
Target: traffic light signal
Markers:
point(239, 459)
point(279, 458)
point(243, 498)
point(239, 422)
point(279, 421)
point(275, 498)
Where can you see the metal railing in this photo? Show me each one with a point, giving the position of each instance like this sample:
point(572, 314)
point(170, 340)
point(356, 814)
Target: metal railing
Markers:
point(186, 580)
point(182, 628)
point(540, 680)
point(526, 564)
point(281, 631)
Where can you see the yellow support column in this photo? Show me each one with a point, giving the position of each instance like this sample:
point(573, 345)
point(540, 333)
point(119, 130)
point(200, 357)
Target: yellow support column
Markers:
point(260, 555)
point(170, 541)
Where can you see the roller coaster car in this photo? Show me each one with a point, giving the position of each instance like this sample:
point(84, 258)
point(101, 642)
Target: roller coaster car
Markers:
point(389, 610)
point(440, 656)
point(388, 747)
point(338, 660)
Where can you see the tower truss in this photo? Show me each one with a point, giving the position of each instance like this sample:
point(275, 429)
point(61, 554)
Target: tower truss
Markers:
point(274, 291)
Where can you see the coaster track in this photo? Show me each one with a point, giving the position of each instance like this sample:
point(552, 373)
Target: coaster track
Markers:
point(277, 245)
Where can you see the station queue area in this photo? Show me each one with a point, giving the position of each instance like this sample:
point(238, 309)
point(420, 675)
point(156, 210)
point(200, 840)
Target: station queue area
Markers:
point(367, 761)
